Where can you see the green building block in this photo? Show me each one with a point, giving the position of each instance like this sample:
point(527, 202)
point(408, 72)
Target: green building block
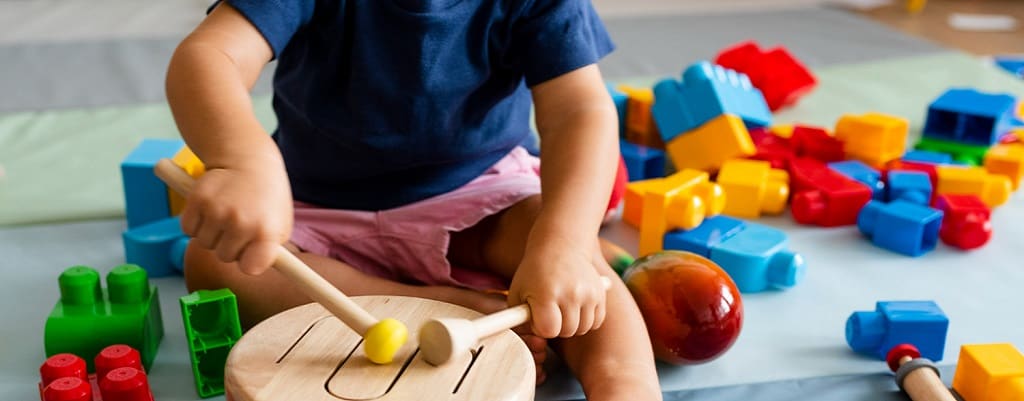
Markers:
point(211, 328)
point(969, 154)
point(88, 318)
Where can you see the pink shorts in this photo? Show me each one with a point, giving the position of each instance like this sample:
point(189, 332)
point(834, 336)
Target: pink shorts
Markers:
point(410, 243)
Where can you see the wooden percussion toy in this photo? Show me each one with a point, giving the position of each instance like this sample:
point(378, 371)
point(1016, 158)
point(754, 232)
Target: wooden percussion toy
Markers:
point(917, 376)
point(382, 338)
point(303, 354)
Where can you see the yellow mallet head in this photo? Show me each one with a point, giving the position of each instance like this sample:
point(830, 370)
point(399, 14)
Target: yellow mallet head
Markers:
point(383, 340)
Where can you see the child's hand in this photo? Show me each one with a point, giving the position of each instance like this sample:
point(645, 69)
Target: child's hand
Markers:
point(241, 213)
point(563, 288)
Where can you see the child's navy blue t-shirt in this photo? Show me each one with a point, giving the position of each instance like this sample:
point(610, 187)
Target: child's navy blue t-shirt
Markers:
point(382, 103)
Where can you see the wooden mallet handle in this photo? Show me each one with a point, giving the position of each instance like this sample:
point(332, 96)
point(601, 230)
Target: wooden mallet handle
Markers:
point(917, 376)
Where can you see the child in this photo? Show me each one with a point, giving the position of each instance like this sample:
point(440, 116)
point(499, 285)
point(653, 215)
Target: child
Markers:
point(395, 167)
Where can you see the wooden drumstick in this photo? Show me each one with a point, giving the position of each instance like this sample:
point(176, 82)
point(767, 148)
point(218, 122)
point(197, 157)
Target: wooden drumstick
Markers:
point(917, 376)
point(442, 340)
point(382, 338)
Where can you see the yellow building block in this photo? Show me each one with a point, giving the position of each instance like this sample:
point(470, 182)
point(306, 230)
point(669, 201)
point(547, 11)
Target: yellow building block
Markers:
point(189, 162)
point(681, 200)
point(752, 187)
point(782, 130)
point(1006, 160)
point(873, 138)
point(641, 128)
point(707, 147)
point(633, 201)
point(993, 189)
point(915, 6)
point(990, 372)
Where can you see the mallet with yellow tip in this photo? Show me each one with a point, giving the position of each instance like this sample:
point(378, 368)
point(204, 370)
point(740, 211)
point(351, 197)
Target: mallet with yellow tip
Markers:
point(381, 338)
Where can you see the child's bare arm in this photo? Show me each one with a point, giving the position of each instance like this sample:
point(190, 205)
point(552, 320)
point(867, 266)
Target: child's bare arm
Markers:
point(241, 207)
point(577, 123)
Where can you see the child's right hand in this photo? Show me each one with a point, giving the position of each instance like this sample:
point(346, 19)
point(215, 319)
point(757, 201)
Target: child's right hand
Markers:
point(242, 213)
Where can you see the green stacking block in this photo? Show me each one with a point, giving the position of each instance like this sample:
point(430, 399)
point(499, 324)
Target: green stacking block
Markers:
point(211, 328)
point(88, 318)
point(970, 154)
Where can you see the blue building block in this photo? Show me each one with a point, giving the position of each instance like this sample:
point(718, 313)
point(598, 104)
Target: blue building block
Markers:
point(157, 247)
point(621, 100)
point(642, 162)
point(901, 226)
point(1014, 66)
point(927, 156)
point(755, 256)
point(711, 232)
point(970, 117)
point(145, 196)
point(919, 323)
point(910, 186)
point(863, 173)
point(706, 91)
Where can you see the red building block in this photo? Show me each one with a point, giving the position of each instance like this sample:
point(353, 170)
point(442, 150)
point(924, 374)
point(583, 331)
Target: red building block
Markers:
point(781, 77)
point(125, 384)
point(823, 196)
point(771, 148)
point(967, 222)
point(64, 377)
point(816, 143)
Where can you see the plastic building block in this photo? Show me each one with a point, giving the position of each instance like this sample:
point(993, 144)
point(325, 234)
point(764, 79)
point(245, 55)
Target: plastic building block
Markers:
point(752, 187)
point(145, 196)
point(927, 156)
point(641, 128)
point(962, 154)
point(919, 323)
point(189, 162)
point(989, 372)
point(906, 165)
point(633, 202)
point(781, 77)
point(771, 148)
point(681, 200)
point(88, 318)
point(816, 143)
point(211, 328)
point(910, 186)
point(115, 357)
point(966, 223)
point(754, 255)
point(824, 197)
point(706, 92)
point(642, 162)
point(125, 384)
point(1006, 160)
point(970, 117)
point(155, 246)
point(873, 138)
point(1014, 66)
point(862, 173)
point(900, 226)
point(621, 101)
point(64, 376)
point(993, 189)
point(706, 148)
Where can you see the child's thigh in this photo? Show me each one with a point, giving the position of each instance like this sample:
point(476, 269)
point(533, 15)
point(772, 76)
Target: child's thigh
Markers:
point(497, 242)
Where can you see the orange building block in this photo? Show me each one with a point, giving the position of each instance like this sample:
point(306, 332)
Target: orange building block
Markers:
point(1008, 160)
point(681, 200)
point(641, 129)
point(752, 187)
point(873, 138)
point(990, 372)
point(712, 144)
point(992, 189)
point(189, 162)
point(633, 201)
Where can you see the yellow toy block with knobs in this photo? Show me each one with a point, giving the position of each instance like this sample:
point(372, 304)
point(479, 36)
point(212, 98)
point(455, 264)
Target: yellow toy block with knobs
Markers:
point(1006, 160)
point(873, 138)
point(633, 201)
point(681, 200)
point(990, 372)
point(706, 148)
point(992, 189)
point(753, 187)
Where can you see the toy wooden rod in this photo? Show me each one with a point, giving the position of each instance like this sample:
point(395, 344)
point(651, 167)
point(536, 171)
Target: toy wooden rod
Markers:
point(311, 283)
point(917, 376)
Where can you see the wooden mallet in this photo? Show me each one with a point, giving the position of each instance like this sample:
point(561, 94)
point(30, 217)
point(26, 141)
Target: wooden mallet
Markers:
point(442, 340)
point(917, 376)
point(381, 338)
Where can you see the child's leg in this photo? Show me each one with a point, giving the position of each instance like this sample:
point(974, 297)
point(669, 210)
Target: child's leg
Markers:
point(260, 297)
point(613, 363)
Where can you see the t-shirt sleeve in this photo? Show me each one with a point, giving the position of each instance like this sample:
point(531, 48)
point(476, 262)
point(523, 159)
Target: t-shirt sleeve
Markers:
point(553, 37)
point(277, 20)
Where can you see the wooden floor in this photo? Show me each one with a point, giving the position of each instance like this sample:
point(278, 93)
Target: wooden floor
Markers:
point(933, 24)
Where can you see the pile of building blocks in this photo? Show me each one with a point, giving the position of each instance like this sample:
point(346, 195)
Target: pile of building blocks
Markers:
point(119, 376)
point(212, 327)
point(88, 318)
point(781, 77)
point(989, 372)
point(154, 239)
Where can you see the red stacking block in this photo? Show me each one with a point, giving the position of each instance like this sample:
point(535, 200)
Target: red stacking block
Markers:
point(63, 365)
point(781, 77)
point(771, 148)
point(125, 384)
point(967, 221)
point(823, 196)
point(816, 143)
point(117, 356)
